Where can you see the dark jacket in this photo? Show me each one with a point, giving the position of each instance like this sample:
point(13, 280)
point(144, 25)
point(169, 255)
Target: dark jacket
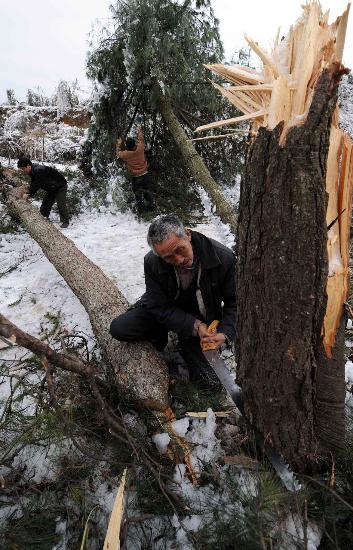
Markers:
point(47, 178)
point(217, 285)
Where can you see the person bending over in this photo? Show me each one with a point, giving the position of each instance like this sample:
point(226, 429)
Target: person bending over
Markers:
point(50, 180)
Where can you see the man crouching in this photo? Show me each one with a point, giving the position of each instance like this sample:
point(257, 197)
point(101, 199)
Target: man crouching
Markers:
point(190, 281)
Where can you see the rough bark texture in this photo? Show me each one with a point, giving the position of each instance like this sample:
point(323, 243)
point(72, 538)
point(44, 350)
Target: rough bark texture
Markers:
point(138, 368)
point(194, 163)
point(293, 392)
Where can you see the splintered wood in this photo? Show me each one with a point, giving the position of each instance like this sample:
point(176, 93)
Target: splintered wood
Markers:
point(339, 188)
point(112, 539)
point(282, 91)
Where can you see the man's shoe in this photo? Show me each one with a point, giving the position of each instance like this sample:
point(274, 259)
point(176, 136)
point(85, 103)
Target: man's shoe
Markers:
point(64, 225)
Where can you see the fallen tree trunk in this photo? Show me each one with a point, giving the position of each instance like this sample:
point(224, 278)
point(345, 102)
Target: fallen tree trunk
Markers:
point(194, 163)
point(293, 239)
point(137, 367)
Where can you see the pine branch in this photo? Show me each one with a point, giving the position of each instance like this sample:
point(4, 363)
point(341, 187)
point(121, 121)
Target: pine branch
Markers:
point(65, 361)
point(72, 363)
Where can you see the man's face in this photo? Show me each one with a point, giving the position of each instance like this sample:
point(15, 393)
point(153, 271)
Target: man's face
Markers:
point(176, 251)
point(26, 169)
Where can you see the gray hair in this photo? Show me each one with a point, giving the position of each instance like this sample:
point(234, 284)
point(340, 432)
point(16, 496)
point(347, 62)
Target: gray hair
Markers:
point(162, 227)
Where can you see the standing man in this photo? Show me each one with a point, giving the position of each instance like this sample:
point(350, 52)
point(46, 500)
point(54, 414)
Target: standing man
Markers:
point(133, 154)
point(190, 281)
point(54, 183)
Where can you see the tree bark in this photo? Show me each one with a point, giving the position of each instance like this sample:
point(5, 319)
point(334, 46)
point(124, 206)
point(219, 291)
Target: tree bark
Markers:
point(293, 388)
point(138, 369)
point(194, 163)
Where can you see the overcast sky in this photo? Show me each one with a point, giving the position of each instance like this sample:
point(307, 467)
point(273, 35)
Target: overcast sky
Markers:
point(44, 41)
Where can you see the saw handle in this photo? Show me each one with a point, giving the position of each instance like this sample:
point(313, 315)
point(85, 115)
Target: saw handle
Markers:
point(211, 328)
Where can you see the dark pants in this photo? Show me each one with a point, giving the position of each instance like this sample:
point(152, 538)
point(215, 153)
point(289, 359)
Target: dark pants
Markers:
point(139, 324)
point(141, 188)
point(60, 198)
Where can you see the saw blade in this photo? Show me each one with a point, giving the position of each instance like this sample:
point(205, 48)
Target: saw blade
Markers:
point(282, 468)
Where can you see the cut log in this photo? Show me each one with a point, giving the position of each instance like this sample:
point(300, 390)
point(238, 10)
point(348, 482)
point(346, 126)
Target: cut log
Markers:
point(137, 367)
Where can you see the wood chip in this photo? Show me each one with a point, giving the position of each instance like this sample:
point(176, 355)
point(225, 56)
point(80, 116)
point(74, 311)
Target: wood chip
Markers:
point(219, 414)
point(242, 461)
point(112, 539)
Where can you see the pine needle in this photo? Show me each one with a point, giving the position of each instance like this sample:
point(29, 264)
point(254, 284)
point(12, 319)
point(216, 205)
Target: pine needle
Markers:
point(86, 530)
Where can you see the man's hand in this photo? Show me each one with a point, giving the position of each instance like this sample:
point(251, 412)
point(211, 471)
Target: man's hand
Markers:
point(214, 337)
point(219, 339)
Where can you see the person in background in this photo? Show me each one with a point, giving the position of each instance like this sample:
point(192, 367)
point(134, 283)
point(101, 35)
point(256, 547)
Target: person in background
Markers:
point(133, 154)
point(50, 180)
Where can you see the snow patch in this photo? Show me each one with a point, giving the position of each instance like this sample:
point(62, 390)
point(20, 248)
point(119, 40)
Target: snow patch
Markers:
point(161, 441)
point(349, 372)
point(293, 531)
point(180, 427)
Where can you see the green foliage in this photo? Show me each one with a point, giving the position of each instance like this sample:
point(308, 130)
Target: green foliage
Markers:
point(248, 519)
point(168, 41)
point(34, 530)
point(197, 396)
point(335, 504)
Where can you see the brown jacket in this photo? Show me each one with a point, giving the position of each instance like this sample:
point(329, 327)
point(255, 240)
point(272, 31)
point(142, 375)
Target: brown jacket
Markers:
point(135, 160)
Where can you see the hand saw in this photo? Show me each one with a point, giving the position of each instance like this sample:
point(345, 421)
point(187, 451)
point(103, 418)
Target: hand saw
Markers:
point(220, 368)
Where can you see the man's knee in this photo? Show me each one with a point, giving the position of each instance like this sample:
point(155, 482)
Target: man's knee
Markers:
point(118, 328)
point(130, 326)
point(137, 324)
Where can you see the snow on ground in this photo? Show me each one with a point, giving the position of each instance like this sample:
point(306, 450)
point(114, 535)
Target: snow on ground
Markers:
point(293, 530)
point(41, 132)
point(116, 242)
